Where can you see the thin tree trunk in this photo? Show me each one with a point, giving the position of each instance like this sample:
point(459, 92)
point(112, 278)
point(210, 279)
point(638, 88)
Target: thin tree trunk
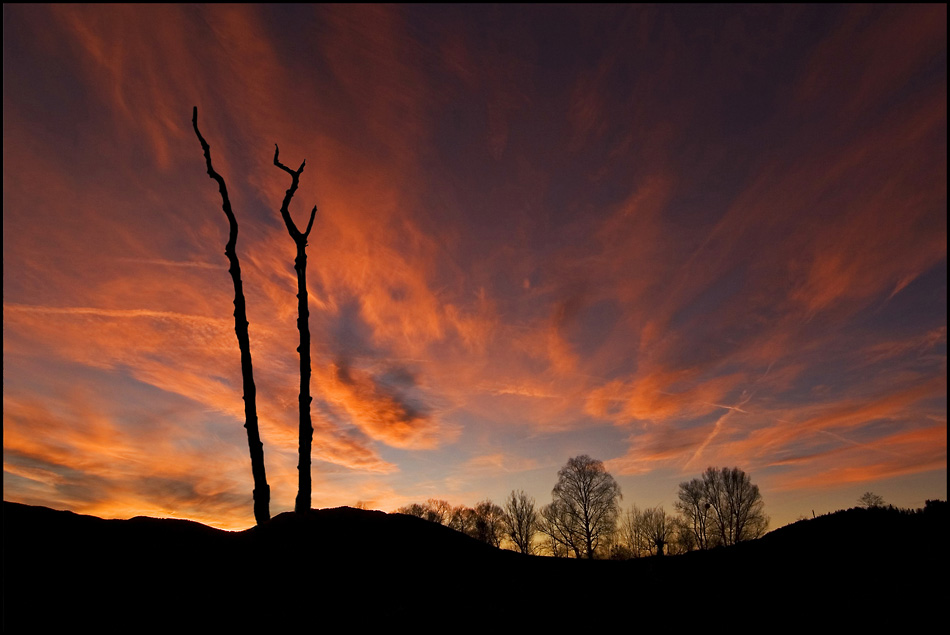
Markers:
point(302, 503)
point(261, 489)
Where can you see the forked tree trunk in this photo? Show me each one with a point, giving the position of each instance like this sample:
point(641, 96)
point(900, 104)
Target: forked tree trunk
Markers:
point(302, 503)
point(261, 489)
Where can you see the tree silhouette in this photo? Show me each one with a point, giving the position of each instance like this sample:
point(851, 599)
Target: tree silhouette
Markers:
point(302, 503)
point(562, 531)
point(657, 527)
point(438, 510)
point(632, 541)
point(585, 506)
point(722, 507)
point(462, 519)
point(261, 489)
point(694, 505)
point(871, 500)
point(434, 510)
point(736, 505)
point(489, 523)
point(521, 520)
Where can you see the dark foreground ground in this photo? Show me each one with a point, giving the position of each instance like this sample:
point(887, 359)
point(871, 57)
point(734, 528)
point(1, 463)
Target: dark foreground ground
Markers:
point(345, 569)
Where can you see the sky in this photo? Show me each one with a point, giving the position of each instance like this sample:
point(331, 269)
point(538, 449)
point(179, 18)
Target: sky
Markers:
point(667, 237)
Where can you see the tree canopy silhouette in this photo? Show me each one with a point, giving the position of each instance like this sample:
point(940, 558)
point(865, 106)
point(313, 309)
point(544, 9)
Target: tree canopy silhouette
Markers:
point(521, 520)
point(261, 489)
point(870, 499)
point(723, 507)
point(585, 507)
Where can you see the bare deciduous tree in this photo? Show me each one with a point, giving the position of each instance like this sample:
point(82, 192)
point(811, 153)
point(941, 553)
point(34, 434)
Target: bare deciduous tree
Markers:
point(737, 506)
point(302, 503)
point(414, 509)
point(722, 507)
point(695, 509)
point(562, 537)
point(434, 510)
point(438, 510)
point(646, 532)
point(462, 519)
point(682, 538)
point(870, 499)
point(588, 501)
point(521, 520)
point(631, 535)
point(657, 528)
point(489, 523)
point(484, 522)
point(261, 489)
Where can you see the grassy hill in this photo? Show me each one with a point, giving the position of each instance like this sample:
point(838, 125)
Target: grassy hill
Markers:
point(339, 568)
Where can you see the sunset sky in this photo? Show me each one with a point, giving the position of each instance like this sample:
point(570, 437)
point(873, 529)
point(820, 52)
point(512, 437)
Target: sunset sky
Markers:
point(666, 237)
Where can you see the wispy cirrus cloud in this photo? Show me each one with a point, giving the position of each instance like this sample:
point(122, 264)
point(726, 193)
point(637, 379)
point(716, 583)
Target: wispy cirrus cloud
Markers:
point(531, 233)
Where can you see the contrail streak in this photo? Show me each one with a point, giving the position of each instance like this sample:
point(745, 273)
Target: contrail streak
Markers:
point(117, 313)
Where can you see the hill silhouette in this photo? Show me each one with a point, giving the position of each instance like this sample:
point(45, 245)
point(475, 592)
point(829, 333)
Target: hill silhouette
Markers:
point(342, 568)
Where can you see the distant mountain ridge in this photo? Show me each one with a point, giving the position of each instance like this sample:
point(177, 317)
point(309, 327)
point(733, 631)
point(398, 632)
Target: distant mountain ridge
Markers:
point(144, 574)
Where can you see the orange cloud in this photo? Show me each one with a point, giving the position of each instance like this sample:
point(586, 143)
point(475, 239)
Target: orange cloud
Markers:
point(380, 411)
point(842, 417)
point(86, 459)
point(909, 452)
point(654, 264)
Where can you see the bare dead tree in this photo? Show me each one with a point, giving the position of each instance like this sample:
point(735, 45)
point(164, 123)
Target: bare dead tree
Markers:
point(261, 489)
point(302, 503)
